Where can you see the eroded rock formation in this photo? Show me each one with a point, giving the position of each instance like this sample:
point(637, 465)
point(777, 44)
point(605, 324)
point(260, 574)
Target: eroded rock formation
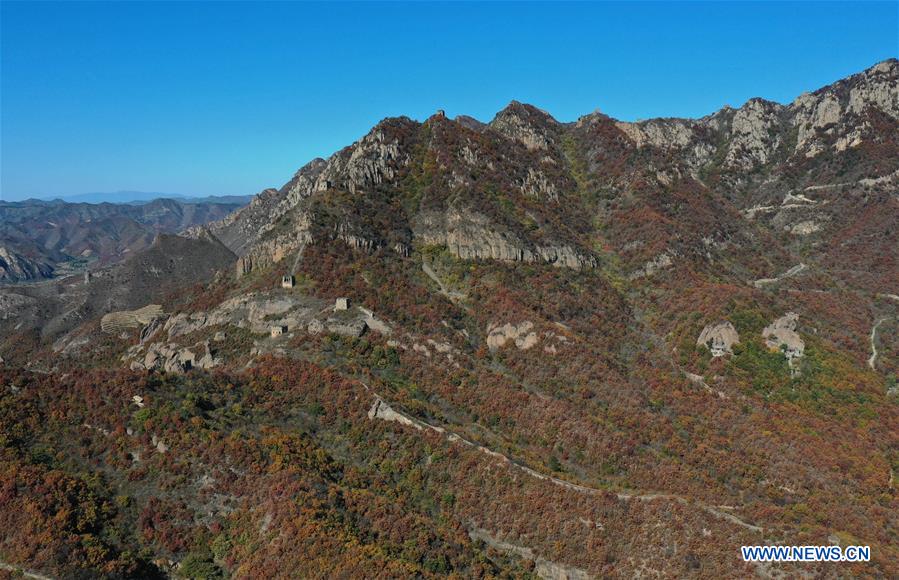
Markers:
point(522, 335)
point(781, 334)
point(719, 338)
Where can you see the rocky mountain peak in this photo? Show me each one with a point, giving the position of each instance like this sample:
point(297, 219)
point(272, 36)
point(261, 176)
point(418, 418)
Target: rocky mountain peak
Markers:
point(526, 111)
point(371, 161)
point(841, 115)
point(507, 190)
point(527, 124)
point(471, 123)
point(522, 301)
point(760, 104)
point(661, 133)
point(755, 134)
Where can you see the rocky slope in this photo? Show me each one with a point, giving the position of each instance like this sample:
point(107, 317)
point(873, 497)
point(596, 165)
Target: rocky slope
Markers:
point(14, 267)
point(528, 188)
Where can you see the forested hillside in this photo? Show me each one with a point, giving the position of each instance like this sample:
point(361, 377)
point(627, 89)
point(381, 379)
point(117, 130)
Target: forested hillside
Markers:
point(522, 348)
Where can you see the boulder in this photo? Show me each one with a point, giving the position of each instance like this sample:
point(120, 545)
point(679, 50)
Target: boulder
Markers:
point(149, 331)
point(521, 334)
point(207, 361)
point(781, 334)
point(719, 338)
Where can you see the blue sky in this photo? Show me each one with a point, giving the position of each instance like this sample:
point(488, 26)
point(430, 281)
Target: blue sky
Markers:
point(230, 98)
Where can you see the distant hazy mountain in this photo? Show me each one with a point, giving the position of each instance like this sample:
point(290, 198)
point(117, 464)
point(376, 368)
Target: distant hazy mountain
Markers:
point(103, 197)
point(38, 237)
point(136, 197)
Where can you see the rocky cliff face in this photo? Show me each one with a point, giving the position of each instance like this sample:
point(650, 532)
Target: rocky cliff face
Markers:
point(528, 188)
point(311, 208)
point(833, 118)
point(841, 116)
point(17, 268)
point(471, 236)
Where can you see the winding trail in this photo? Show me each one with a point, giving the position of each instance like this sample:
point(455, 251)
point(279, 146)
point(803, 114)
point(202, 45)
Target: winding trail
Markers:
point(872, 361)
point(381, 410)
point(795, 270)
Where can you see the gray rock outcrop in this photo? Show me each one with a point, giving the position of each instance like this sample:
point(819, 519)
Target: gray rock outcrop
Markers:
point(781, 334)
point(522, 335)
point(472, 236)
point(755, 134)
point(525, 124)
point(719, 338)
point(824, 120)
point(174, 358)
point(15, 267)
point(13, 305)
point(650, 267)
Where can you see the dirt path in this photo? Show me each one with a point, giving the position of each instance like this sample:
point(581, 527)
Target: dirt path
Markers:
point(381, 410)
point(452, 295)
point(795, 270)
point(872, 361)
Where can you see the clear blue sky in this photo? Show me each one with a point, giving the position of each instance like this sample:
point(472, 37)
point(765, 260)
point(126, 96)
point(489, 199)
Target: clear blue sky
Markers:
point(229, 98)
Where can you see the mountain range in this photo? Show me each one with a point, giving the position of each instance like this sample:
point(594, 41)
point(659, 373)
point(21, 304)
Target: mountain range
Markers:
point(130, 196)
point(522, 348)
point(40, 239)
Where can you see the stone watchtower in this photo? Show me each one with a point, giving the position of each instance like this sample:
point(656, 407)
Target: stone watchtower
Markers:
point(288, 281)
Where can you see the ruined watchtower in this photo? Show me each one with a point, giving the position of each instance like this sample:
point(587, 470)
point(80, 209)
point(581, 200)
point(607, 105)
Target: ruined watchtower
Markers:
point(278, 330)
point(288, 281)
